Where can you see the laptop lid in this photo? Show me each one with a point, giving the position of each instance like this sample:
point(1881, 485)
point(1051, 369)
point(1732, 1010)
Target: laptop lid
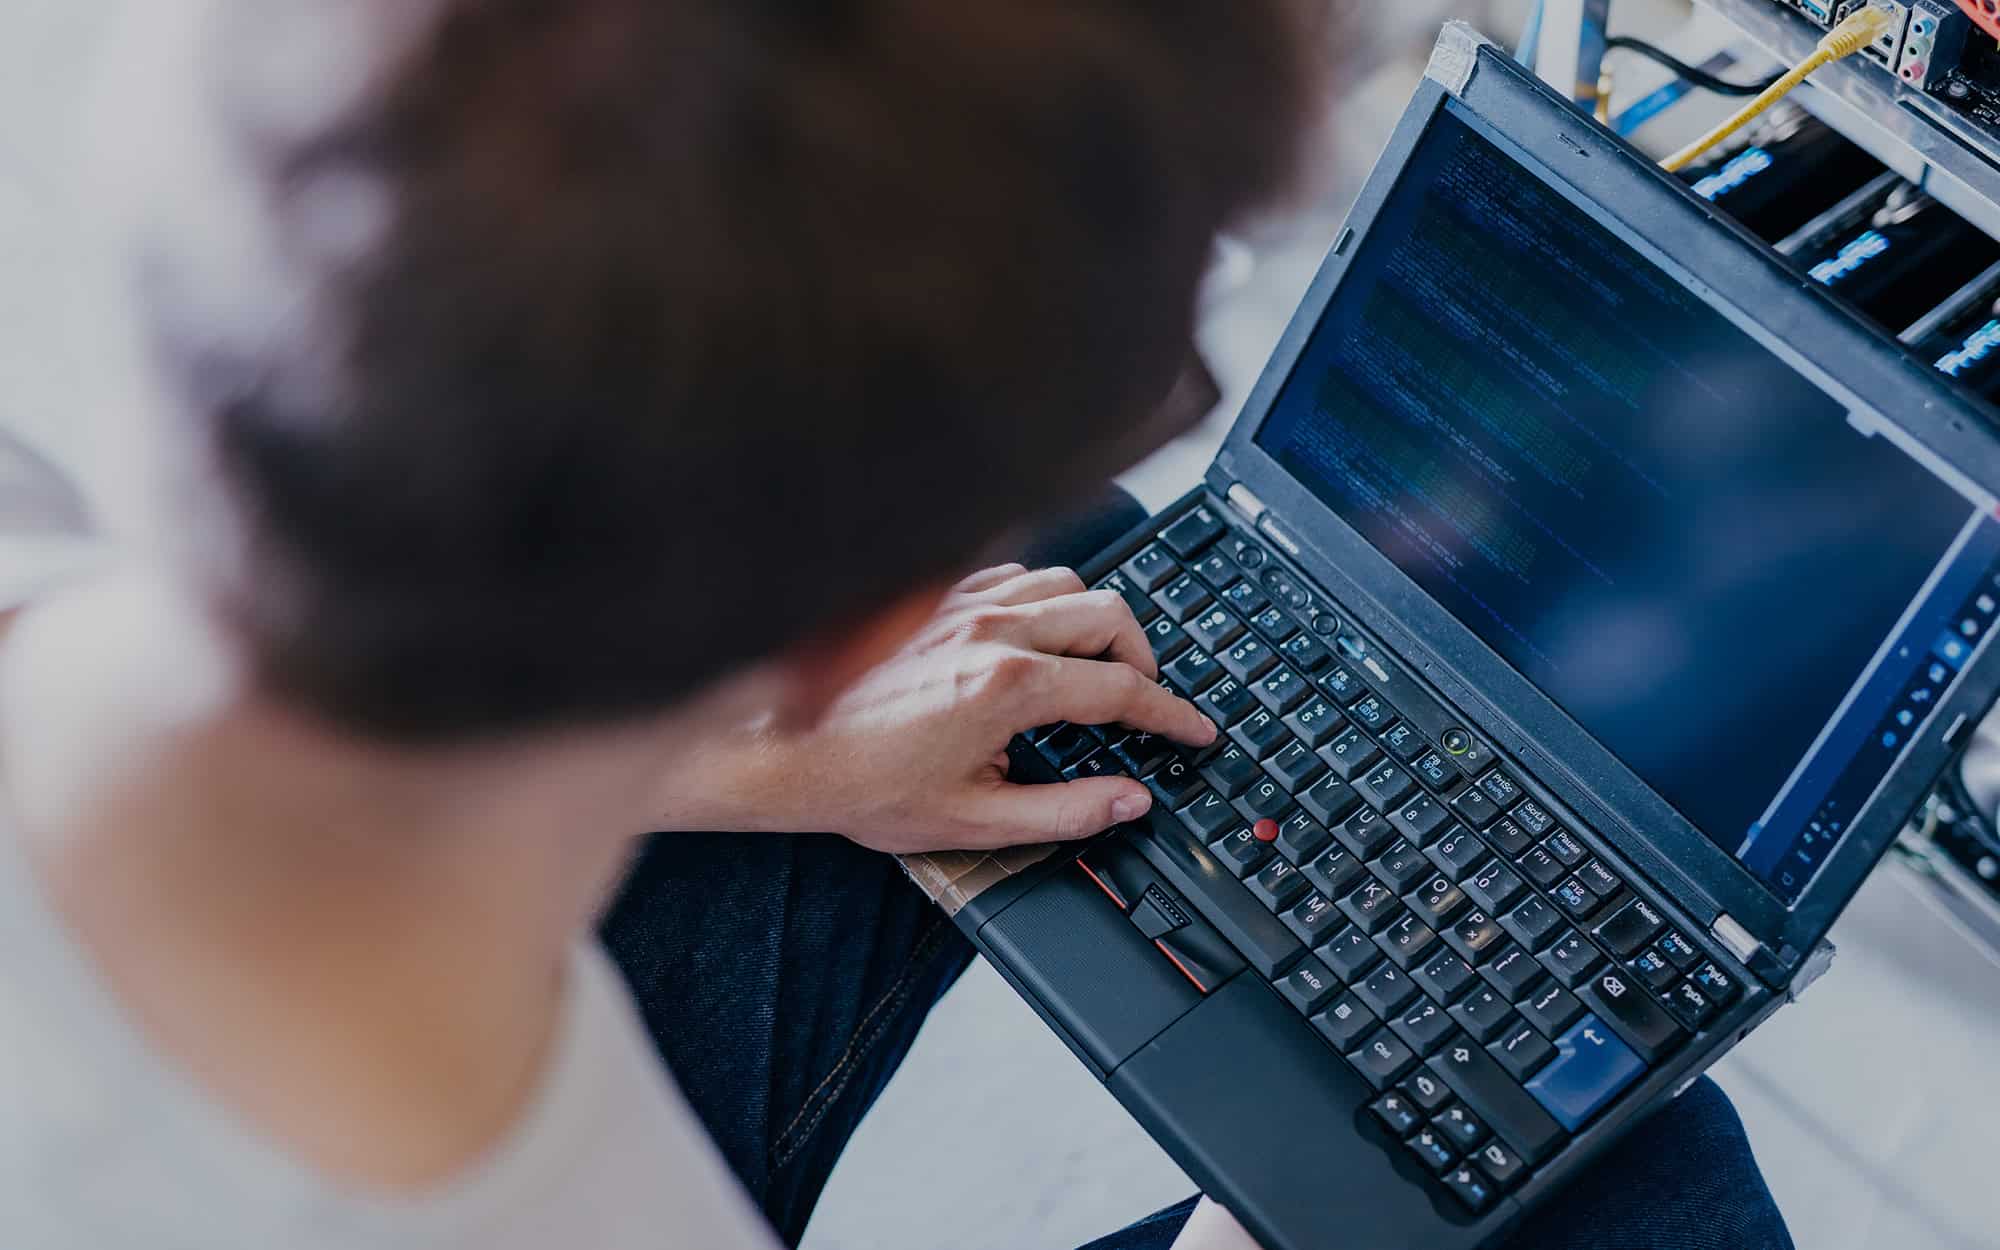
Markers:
point(1713, 559)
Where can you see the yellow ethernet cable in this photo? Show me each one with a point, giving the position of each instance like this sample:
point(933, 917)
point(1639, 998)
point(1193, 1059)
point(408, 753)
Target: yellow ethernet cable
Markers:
point(1855, 32)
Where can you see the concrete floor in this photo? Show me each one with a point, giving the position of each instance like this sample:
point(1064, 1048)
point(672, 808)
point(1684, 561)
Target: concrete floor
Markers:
point(1871, 1102)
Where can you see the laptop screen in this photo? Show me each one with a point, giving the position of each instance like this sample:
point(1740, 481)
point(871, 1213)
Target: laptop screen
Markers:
point(1747, 596)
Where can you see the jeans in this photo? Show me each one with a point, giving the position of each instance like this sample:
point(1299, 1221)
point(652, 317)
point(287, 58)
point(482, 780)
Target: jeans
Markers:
point(785, 977)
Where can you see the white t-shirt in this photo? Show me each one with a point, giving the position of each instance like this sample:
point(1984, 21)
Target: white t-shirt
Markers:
point(105, 1145)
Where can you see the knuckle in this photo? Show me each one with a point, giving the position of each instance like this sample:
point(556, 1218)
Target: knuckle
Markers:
point(984, 624)
point(1074, 818)
point(1010, 673)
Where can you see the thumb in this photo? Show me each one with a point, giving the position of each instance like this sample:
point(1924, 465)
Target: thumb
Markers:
point(1011, 813)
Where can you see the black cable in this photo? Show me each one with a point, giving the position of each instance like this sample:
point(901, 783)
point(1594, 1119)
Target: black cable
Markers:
point(1699, 77)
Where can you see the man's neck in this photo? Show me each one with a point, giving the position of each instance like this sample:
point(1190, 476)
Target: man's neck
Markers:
point(356, 949)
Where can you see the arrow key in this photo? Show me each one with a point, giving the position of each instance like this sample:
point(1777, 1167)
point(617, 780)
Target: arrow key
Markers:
point(1397, 1113)
point(1462, 1128)
point(1470, 1187)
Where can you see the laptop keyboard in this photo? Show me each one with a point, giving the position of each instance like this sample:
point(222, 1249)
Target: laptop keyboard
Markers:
point(1496, 979)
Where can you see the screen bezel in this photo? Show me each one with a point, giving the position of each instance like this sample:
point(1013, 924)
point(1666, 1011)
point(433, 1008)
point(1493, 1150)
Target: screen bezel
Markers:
point(1655, 212)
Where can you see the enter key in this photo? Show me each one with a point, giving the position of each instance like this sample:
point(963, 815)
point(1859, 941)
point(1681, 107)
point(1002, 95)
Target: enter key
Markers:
point(1592, 1065)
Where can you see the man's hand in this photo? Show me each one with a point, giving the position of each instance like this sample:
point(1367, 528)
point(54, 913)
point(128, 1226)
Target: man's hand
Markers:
point(913, 758)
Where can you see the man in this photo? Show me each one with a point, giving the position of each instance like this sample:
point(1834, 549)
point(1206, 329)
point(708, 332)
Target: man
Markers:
point(576, 420)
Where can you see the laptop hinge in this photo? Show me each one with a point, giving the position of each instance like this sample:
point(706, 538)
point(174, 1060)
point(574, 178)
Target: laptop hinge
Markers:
point(1243, 500)
point(1732, 934)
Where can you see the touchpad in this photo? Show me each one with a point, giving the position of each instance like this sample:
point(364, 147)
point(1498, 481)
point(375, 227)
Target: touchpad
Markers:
point(1104, 981)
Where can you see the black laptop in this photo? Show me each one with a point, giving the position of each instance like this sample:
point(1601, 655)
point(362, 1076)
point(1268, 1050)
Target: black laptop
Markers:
point(1587, 599)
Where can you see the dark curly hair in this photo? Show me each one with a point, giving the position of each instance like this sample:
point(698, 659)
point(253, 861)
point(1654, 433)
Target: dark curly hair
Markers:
point(686, 329)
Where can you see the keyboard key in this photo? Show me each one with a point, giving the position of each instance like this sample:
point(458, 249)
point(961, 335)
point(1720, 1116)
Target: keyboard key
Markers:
point(1432, 1150)
point(1422, 1025)
point(1281, 690)
point(1474, 808)
point(1456, 852)
point(1534, 818)
point(1494, 886)
point(1419, 818)
point(1183, 599)
point(1401, 866)
point(1404, 741)
point(1437, 901)
point(1397, 1113)
point(1371, 905)
point(1680, 952)
point(1247, 660)
point(1246, 553)
point(1364, 833)
point(1245, 599)
point(1343, 685)
point(1460, 1127)
point(1540, 867)
point(1564, 846)
point(1571, 959)
point(1372, 712)
point(1688, 1005)
point(1314, 918)
point(1627, 1007)
point(1382, 1058)
point(1167, 638)
point(1592, 1066)
point(1349, 953)
point(1309, 986)
point(1067, 745)
point(1346, 1022)
point(1349, 755)
point(1631, 927)
point(1501, 1165)
point(1550, 1008)
point(1521, 1051)
point(1096, 764)
point(1512, 971)
point(1274, 624)
point(1472, 1189)
point(1333, 871)
point(1134, 596)
point(1227, 700)
point(1387, 991)
point(1305, 653)
point(1407, 942)
point(1496, 1098)
point(1192, 532)
point(1151, 569)
point(1192, 671)
point(1315, 722)
point(1651, 967)
point(1574, 898)
point(1260, 733)
point(1532, 922)
point(1712, 981)
point(1208, 815)
point(1300, 837)
point(1278, 885)
point(1241, 852)
point(1230, 770)
point(1214, 629)
point(1142, 752)
point(1264, 800)
point(1508, 837)
point(1329, 800)
point(1435, 769)
point(1215, 568)
point(1427, 1091)
point(1601, 880)
point(1444, 976)
point(1385, 786)
point(1484, 1013)
point(1501, 788)
point(1475, 933)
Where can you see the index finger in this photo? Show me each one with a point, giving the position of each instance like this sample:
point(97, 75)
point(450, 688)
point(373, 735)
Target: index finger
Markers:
point(1105, 692)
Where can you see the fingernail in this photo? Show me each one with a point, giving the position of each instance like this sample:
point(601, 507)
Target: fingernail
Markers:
point(1213, 732)
point(1131, 806)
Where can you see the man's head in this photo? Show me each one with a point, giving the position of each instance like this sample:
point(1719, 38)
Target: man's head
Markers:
point(568, 355)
